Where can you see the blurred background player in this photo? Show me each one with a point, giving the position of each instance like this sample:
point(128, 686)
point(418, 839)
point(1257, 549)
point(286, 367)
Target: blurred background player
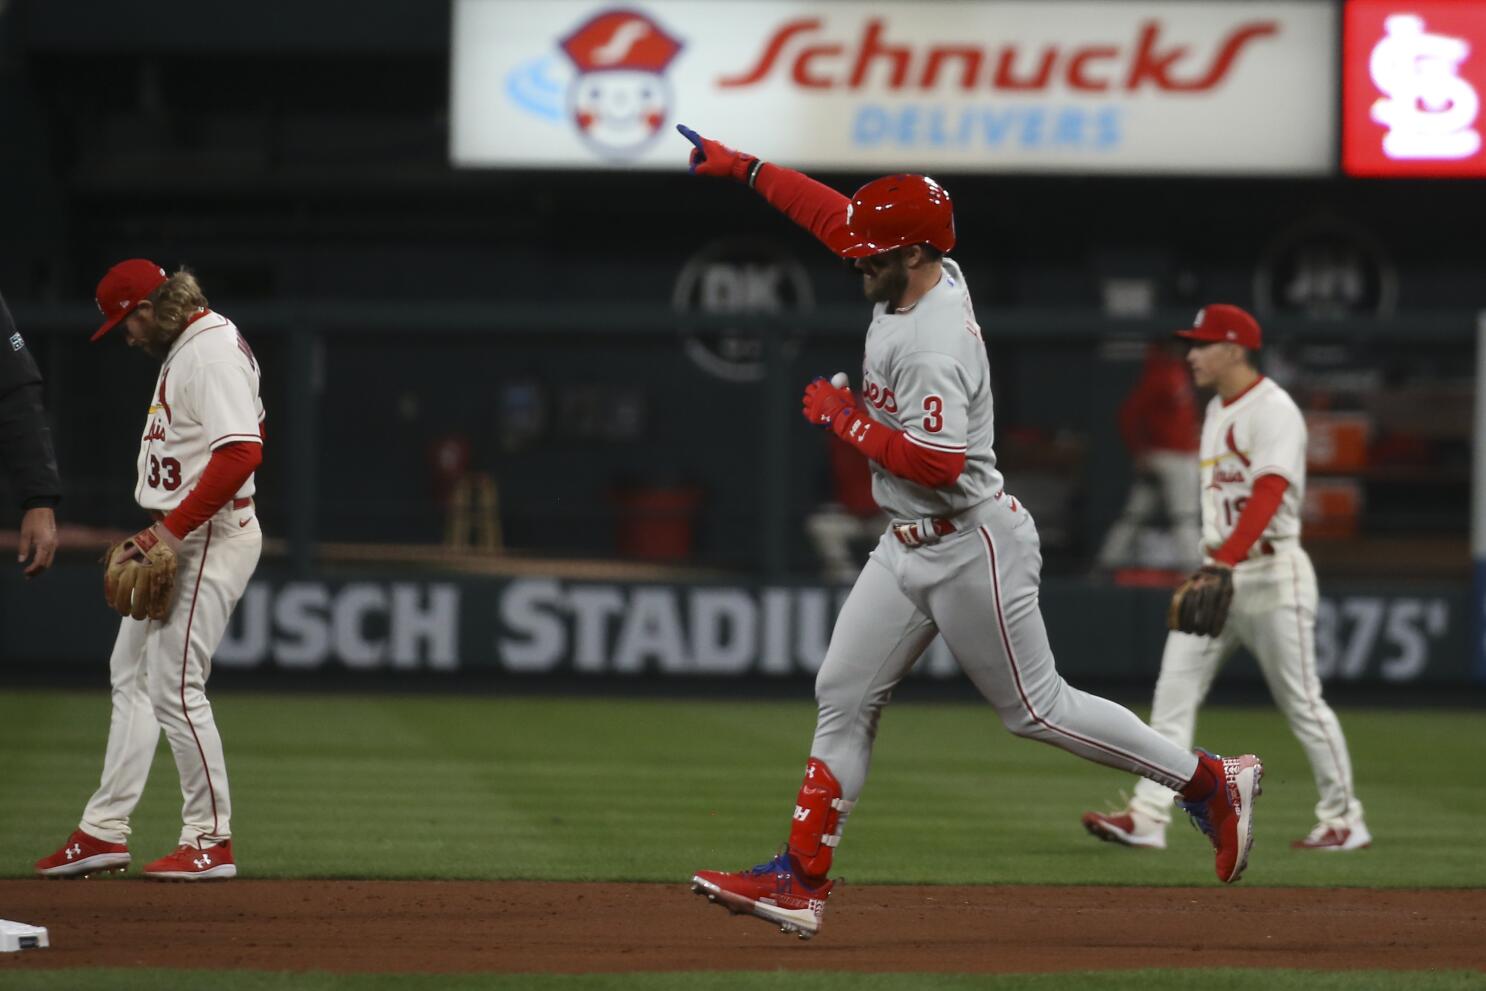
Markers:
point(845, 528)
point(1158, 422)
point(1253, 484)
point(26, 448)
point(202, 441)
point(960, 558)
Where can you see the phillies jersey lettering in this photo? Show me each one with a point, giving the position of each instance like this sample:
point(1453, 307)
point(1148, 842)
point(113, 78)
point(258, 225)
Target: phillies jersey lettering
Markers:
point(206, 396)
point(1261, 433)
point(925, 372)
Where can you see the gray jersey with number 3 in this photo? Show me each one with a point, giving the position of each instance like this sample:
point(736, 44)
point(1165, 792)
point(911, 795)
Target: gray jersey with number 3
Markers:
point(925, 372)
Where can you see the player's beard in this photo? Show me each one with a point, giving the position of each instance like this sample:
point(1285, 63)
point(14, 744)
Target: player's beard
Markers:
point(885, 277)
point(157, 341)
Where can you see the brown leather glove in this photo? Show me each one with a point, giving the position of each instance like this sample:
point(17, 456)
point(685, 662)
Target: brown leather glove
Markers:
point(139, 576)
point(1200, 604)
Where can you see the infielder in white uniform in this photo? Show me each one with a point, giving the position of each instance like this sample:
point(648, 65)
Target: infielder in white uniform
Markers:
point(202, 442)
point(960, 559)
point(1253, 484)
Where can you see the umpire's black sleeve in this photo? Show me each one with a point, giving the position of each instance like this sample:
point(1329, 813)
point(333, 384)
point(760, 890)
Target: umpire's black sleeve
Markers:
point(25, 439)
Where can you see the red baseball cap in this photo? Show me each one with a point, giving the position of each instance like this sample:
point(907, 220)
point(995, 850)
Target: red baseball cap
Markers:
point(123, 288)
point(1224, 322)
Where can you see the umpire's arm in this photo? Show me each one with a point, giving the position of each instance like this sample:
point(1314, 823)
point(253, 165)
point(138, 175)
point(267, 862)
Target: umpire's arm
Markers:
point(26, 451)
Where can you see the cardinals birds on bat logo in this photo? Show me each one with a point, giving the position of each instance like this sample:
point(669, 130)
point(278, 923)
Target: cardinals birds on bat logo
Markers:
point(618, 99)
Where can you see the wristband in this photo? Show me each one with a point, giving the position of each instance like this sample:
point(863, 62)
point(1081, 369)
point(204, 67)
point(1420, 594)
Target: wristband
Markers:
point(758, 163)
point(840, 424)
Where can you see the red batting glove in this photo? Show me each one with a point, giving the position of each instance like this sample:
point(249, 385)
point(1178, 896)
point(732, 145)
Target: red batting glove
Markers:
point(716, 159)
point(824, 402)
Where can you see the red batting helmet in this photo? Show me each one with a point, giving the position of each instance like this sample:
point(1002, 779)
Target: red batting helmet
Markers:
point(895, 210)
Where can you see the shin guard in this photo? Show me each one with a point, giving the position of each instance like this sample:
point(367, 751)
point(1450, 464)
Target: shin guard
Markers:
point(819, 814)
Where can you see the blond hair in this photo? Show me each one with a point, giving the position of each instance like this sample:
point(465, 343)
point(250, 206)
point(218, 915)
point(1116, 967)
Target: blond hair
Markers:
point(177, 300)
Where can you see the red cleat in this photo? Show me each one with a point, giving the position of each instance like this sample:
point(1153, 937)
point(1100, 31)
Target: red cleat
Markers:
point(775, 892)
point(1226, 815)
point(195, 863)
point(82, 855)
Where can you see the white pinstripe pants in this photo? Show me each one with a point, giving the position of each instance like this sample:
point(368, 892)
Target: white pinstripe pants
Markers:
point(978, 588)
point(1274, 616)
point(159, 672)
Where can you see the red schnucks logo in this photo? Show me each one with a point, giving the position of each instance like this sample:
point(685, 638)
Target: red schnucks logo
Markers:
point(1412, 88)
point(1149, 60)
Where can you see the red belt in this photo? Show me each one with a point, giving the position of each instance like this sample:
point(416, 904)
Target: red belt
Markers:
point(157, 515)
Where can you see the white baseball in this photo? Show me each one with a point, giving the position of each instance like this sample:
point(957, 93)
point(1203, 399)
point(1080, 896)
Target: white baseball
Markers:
point(839, 380)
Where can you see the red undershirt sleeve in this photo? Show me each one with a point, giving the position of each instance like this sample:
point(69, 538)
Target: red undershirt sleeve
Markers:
point(894, 451)
point(1269, 492)
point(226, 471)
point(814, 206)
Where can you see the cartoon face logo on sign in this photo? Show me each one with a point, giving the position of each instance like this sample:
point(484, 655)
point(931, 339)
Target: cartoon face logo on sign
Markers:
point(620, 99)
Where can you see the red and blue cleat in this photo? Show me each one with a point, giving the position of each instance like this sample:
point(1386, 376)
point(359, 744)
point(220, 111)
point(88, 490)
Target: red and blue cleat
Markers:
point(775, 892)
point(1226, 814)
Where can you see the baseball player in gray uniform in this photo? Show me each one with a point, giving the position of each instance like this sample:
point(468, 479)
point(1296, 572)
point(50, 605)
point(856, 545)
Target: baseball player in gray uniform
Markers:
point(960, 559)
point(1252, 460)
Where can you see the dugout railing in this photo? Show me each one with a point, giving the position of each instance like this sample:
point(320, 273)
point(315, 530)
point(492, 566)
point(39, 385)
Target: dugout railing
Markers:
point(360, 394)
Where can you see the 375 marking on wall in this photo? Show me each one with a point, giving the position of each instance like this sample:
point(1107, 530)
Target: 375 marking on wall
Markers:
point(1398, 632)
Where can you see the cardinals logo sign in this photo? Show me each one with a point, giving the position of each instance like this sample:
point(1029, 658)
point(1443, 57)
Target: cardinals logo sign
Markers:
point(1413, 81)
point(617, 97)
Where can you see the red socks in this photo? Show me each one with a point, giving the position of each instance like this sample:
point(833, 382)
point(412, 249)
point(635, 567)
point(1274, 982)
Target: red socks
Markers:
point(1206, 778)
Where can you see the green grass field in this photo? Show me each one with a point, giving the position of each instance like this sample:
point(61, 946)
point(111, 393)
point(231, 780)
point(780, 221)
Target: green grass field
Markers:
point(530, 788)
point(539, 788)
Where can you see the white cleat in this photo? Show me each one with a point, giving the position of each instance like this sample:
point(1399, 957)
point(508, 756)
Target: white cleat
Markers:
point(1127, 828)
point(1334, 839)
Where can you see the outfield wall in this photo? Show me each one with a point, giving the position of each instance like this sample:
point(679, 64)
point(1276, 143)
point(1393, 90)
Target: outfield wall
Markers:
point(1400, 634)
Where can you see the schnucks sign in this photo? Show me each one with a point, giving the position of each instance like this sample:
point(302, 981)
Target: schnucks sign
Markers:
point(1182, 87)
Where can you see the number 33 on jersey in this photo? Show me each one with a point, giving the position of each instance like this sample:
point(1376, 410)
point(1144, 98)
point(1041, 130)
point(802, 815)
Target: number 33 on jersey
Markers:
point(206, 396)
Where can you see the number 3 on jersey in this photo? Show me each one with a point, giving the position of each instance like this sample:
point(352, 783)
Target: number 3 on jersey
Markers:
point(164, 472)
point(934, 407)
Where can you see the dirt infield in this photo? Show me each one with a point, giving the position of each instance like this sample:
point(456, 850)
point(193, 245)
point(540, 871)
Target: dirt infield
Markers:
point(383, 926)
